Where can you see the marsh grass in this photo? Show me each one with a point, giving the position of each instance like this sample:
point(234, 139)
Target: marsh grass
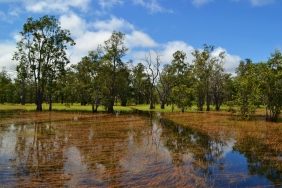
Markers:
point(258, 140)
point(59, 149)
point(57, 107)
point(74, 149)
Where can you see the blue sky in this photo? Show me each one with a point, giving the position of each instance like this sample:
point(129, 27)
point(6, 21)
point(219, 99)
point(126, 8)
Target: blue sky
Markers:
point(243, 28)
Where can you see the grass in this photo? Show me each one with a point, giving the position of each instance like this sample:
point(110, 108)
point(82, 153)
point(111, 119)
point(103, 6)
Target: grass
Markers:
point(57, 107)
point(126, 150)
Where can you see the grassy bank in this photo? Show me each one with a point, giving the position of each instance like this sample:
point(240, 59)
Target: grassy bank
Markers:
point(87, 108)
point(58, 107)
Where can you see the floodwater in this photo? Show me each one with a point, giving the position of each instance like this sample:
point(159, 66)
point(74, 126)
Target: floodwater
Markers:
point(127, 150)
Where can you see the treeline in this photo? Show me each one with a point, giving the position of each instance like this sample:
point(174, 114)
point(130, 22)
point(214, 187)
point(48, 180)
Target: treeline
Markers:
point(102, 79)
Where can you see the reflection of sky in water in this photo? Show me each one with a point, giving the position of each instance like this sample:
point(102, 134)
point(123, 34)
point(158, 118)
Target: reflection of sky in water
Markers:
point(145, 154)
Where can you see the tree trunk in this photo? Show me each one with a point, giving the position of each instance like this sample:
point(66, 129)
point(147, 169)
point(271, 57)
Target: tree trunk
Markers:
point(39, 100)
point(93, 109)
point(123, 102)
point(23, 92)
point(266, 114)
point(111, 105)
point(162, 104)
point(208, 102)
point(50, 102)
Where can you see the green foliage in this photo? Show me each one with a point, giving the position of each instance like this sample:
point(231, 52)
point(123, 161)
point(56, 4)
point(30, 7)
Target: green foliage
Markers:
point(41, 54)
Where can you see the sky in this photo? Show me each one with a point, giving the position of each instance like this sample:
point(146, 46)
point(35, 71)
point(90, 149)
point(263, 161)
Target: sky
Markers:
point(242, 28)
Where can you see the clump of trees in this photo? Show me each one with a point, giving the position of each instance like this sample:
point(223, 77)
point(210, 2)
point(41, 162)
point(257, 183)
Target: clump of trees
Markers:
point(102, 78)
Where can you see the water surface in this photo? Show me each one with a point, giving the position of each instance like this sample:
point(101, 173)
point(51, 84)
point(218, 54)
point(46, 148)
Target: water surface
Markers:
point(70, 149)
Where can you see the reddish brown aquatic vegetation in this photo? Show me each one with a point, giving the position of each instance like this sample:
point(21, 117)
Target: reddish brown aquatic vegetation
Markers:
point(103, 150)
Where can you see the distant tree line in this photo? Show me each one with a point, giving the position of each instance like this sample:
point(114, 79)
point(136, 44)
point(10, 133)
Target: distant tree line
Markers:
point(102, 78)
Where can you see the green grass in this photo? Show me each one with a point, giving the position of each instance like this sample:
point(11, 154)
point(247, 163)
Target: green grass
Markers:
point(58, 107)
point(88, 108)
point(193, 108)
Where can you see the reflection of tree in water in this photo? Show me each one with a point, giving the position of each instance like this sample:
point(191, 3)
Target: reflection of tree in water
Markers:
point(206, 152)
point(262, 160)
point(39, 156)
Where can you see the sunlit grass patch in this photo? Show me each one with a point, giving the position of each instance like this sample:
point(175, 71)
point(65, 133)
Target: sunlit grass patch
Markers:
point(59, 107)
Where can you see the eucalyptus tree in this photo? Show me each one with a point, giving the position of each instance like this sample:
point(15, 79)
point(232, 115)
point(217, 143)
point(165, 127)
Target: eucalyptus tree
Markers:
point(182, 90)
point(41, 51)
point(124, 88)
point(22, 77)
point(114, 49)
point(5, 86)
point(218, 77)
point(272, 80)
point(203, 67)
point(89, 75)
point(152, 72)
point(174, 75)
point(246, 83)
point(165, 84)
point(139, 83)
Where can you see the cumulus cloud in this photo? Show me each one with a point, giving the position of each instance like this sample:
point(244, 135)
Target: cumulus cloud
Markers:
point(261, 2)
point(165, 51)
point(171, 47)
point(54, 5)
point(231, 61)
point(198, 3)
point(97, 32)
point(109, 3)
point(6, 54)
point(113, 24)
point(74, 23)
point(152, 5)
point(139, 39)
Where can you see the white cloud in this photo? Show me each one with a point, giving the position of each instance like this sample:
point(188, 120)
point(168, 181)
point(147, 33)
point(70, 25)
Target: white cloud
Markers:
point(74, 23)
point(165, 52)
point(166, 55)
point(109, 3)
point(113, 24)
point(261, 2)
point(139, 39)
point(231, 61)
point(55, 5)
point(200, 2)
point(152, 5)
point(171, 47)
point(6, 54)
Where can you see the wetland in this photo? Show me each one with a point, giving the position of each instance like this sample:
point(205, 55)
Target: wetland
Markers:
point(68, 149)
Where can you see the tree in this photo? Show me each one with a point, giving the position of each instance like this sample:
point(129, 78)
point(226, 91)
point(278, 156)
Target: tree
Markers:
point(203, 66)
point(217, 81)
point(246, 83)
point(153, 71)
point(5, 86)
point(271, 85)
point(114, 49)
point(41, 51)
point(139, 83)
point(165, 84)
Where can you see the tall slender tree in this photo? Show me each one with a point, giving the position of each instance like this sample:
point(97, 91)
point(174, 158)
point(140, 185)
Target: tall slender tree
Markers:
point(42, 50)
point(114, 49)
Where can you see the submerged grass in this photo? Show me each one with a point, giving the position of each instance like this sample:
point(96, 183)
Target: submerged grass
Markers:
point(60, 149)
point(74, 149)
point(254, 137)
